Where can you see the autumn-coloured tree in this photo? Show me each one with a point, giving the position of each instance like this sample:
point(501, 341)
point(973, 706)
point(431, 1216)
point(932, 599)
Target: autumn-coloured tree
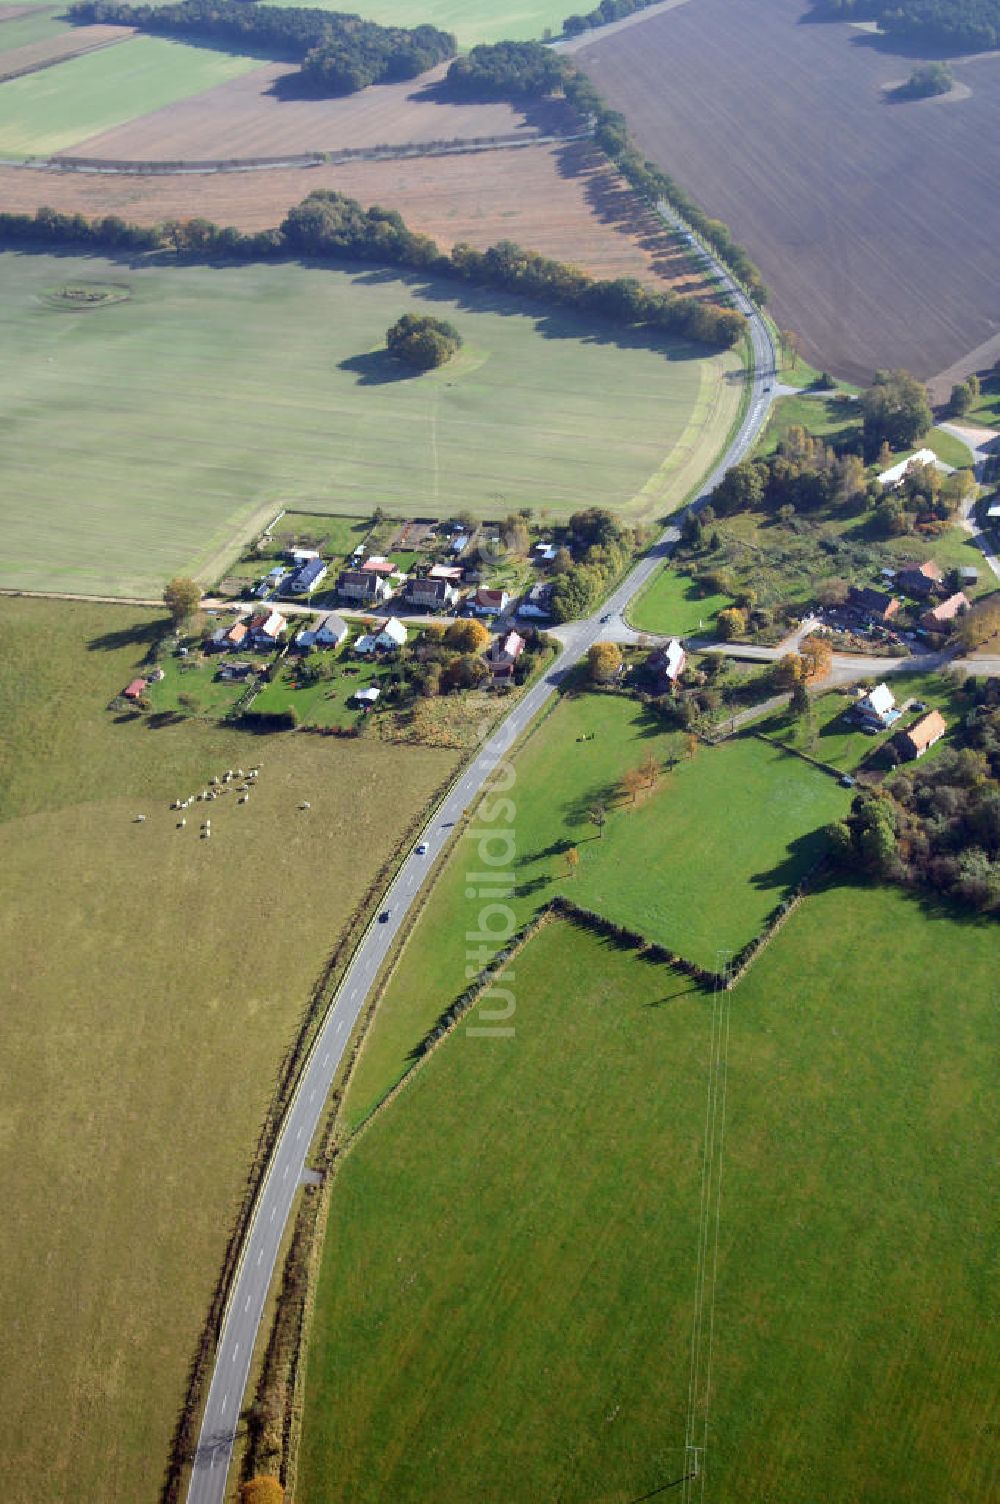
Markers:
point(467, 636)
point(650, 770)
point(182, 598)
point(817, 656)
point(787, 672)
point(790, 345)
point(572, 861)
point(597, 814)
point(262, 1490)
point(692, 743)
point(604, 659)
point(632, 781)
point(730, 623)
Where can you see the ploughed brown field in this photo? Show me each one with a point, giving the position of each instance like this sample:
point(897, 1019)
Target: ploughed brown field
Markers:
point(56, 49)
point(563, 201)
point(875, 224)
point(262, 114)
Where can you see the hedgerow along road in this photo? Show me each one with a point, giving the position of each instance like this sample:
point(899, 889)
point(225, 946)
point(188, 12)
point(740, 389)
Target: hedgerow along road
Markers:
point(276, 1198)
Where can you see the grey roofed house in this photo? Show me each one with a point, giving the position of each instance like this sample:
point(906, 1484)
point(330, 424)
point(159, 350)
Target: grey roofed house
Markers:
point(434, 593)
point(329, 632)
point(537, 602)
point(873, 604)
point(362, 585)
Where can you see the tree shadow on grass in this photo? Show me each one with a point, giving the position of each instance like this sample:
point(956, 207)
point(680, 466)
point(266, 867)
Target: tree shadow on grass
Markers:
point(136, 635)
point(801, 854)
point(377, 368)
point(162, 718)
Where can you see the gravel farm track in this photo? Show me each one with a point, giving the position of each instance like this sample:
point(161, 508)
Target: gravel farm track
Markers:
point(782, 128)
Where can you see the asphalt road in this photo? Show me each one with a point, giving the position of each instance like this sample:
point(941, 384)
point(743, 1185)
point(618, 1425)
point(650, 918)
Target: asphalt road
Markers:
point(284, 1174)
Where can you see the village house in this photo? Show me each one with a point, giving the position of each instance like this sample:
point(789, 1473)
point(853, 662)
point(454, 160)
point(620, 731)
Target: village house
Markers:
point(922, 734)
point(544, 553)
point(666, 664)
point(379, 564)
point(940, 617)
point(451, 572)
point(237, 669)
point(968, 575)
point(265, 628)
point(920, 579)
point(301, 555)
point(877, 710)
point(897, 473)
point(489, 602)
point(389, 640)
point(362, 585)
point(503, 653)
point(537, 603)
point(873, 606)
point(135, 690)
point(226, 638)
point(307, 578)
point(366, 697)
point(329, 632)
point(271, 582)
point(433, 594)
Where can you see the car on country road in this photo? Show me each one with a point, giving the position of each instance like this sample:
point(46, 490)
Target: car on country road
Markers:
point(422, 849)
point(383, 918)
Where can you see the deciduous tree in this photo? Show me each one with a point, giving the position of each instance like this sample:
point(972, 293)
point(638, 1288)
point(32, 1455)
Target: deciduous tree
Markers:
point(604, 659)
point(182, 598)
point(467, 635)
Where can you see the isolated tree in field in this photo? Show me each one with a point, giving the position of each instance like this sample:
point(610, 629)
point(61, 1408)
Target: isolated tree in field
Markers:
point(423, 342)
point(572, 861)
point(691, 742)
point(790, 345)
point(467, 636)
point(262, 1490)
point(632, 781)
point(650, 770)
point(597, 814)
point(604, 659)
point(182, 598)
point(960, 400)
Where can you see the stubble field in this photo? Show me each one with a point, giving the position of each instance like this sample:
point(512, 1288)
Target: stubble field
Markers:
point(562, 201)
point(875, 224)
point(153, 982)
point(184, 423)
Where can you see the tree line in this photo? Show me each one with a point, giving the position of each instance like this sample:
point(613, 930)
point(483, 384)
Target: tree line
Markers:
point(338, 53)
point(958, 25)
point(520, 70)
point(597, 550)
point(607, 11)
point(329, 225)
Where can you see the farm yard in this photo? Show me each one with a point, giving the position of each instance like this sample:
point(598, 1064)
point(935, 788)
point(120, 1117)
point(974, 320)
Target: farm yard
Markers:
point(670, 866)
point(153, 983)
point(55, 108)
point(562, 201)
point(184, 426)
point(782, 130)
point(525, 1197)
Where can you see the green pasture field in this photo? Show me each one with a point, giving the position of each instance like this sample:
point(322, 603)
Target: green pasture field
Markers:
point(471, 21)
point(986, 409)
point(59, 107)
point(191, 412)
point(21, 31)
point(673, 602)
point(697, 864)
point(842, 744)
point(152, 984)
point(327, 702)
point(506, 1299)
point(334, 537)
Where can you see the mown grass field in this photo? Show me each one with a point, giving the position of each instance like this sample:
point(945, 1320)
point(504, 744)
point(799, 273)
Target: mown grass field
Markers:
point(152, 984)
point(505, 1306)
point(673, 602)
point(471, 21)
point(52, 110)
point(697, 864)
point(193, 411)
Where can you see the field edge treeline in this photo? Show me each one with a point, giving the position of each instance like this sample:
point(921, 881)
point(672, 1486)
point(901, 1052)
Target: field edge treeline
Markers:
point(329, 225)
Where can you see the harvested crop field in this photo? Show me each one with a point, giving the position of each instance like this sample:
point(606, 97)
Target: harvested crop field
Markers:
point(262, 115)
point(54, 49)
point(563, 201)
point(782, 130)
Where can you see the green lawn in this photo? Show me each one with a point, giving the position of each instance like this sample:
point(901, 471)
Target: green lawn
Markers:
point(697, 865)
point(152, 982)
point(506, 1299)
point(190, 413)
point(58, 107)
point(471, 21)
point(826, 417)
point(327, 701)
point(674, 603)
point(986, 409)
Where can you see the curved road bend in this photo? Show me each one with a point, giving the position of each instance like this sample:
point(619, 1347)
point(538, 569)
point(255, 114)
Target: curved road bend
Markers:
point(284, 1172)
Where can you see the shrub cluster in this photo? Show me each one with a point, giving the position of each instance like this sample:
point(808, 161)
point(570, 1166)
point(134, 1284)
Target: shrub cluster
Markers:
point(422, 342)
point(597, 549)
point(339, 53)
